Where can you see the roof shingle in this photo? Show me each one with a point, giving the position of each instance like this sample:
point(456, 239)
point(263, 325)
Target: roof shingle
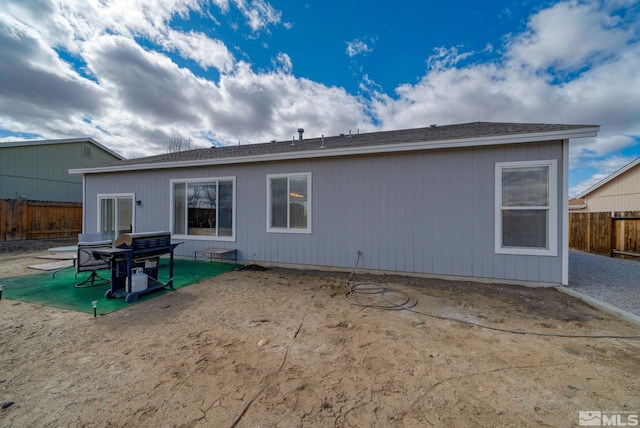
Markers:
point(426, 134)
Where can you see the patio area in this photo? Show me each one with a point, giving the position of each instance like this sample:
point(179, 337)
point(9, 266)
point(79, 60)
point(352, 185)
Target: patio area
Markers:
point(57, 288)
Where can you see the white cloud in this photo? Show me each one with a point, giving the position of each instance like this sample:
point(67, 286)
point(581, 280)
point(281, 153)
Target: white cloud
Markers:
point(612, 164)
point(149, 86)
point(445, 58)
point(259, 107)
point(70, 24)
point(567, 35)
point(605, 168)
point(222, 4)
point(140, 98)
point(139, 95)
point(584, 185)
point(584, 151)
point(36, 85)
point(283, 63)
point(199, 47)
point(155, 99)
point(357, 47)
point(259, 13)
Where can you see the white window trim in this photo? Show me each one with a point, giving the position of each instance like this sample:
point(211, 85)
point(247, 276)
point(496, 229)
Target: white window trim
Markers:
point(116, 195)
point(552, 231)
point(565, 213)
point(172, 182)
point(270, 229)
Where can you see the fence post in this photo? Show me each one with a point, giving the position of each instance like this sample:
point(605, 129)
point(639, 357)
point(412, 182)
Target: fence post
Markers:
point(589, 220)
point(614, 237)
point(24, 218)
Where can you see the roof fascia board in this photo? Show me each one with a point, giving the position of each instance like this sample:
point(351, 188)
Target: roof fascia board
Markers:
point(359, 150)
point(608, 179)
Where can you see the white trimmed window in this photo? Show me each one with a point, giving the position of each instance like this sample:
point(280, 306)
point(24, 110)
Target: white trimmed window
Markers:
point(289, 203)
point(204, 208)
point(526, 208)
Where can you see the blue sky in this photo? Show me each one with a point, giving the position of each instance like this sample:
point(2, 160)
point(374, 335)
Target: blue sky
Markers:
point(135, 74)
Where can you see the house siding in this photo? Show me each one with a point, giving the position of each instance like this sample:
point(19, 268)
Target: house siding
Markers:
point(39, 172)
point(429, 212)
point(620, 194)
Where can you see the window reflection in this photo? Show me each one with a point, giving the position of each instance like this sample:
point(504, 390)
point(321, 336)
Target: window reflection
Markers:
point(525, 207)
point(525, 186)
point(289, 202)
point(203, 208)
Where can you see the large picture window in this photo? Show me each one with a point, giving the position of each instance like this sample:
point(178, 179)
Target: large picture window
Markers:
point(526, 208)
point(289, 203)
point(204, 208)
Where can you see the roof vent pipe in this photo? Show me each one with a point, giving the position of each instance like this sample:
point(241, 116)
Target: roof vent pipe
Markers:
point(300, 132)
point(322, 146)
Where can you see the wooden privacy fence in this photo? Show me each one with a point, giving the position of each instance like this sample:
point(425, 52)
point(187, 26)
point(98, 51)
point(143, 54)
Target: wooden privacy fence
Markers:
point(590, 232)
point(609, 234)
point(21, 219)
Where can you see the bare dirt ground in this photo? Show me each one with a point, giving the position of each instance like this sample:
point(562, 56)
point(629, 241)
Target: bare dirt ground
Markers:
point(197, 357)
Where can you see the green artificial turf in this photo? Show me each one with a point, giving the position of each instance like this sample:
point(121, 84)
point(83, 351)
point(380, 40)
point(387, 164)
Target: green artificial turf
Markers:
point(60, 291)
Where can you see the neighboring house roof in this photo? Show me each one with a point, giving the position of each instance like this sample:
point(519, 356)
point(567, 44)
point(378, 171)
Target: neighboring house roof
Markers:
point(608, 179)
point(432, 137)
point(59, 141)
point(577, 204)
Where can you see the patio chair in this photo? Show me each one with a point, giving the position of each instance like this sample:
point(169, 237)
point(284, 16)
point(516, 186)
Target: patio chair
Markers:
point(85, 262)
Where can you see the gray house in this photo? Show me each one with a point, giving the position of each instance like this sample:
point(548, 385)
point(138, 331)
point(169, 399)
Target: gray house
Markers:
point(37, 170)
point(482, 201)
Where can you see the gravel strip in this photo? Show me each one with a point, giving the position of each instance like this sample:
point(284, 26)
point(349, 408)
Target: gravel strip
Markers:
point(610, 280)
point(21, 246)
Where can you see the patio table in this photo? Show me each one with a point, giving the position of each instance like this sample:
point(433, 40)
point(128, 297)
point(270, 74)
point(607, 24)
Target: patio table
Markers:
point(67, 249)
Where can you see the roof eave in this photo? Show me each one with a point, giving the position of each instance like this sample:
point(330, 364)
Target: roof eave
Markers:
point(608, 179)
point(360, 150)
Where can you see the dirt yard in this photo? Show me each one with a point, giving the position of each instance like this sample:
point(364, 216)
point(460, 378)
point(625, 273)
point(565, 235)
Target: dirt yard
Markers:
point(281, 348)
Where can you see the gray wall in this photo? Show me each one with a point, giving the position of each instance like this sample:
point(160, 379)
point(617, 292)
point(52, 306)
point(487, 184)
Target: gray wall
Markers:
point(40, 172)
point(430, 212)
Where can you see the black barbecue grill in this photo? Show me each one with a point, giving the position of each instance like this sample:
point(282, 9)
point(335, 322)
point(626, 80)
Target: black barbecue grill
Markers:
point(139, 251)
